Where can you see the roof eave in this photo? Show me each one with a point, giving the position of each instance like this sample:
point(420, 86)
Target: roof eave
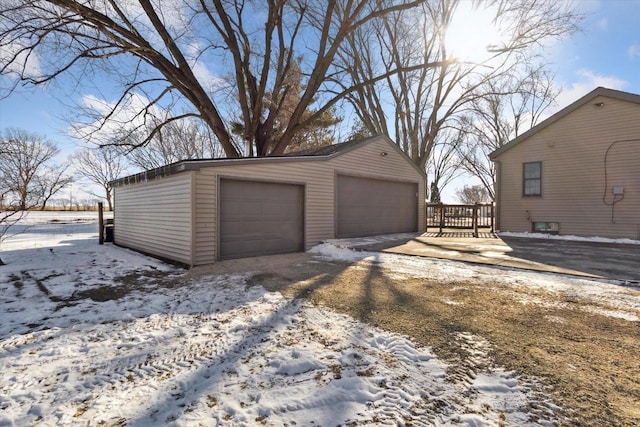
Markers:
point(195, 165)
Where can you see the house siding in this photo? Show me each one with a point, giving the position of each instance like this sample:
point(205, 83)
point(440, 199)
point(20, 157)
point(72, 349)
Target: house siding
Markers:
point(572, 151)
point(319, 178)
point(155, 217)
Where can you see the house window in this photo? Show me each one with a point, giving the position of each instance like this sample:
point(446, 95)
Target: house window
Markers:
point(532, 179)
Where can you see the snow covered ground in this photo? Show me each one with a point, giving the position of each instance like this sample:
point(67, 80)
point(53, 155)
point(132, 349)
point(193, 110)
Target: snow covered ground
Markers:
point(100, 335)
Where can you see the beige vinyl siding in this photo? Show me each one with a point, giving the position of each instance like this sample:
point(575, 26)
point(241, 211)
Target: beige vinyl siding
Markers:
point(155, 217)
point(319, 177)
point(206, 206)
point(318, 199)
point(572, 152)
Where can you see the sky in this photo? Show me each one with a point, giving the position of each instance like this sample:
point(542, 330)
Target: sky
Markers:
point(605, 53)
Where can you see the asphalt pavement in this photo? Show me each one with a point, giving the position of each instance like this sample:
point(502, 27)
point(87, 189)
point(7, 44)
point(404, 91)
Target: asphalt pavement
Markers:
point(612, 261)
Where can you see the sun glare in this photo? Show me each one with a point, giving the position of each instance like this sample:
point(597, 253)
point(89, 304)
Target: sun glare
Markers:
point(471, 32)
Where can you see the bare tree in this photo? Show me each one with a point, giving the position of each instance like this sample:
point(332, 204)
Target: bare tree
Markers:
point(27, 172)
point(428, 100)
point(444, 163)
point(28, 178)
point(398, 41)
point(10, 215)
point(494, 120)
point(50, 181)
point(176, 141)
point(100, 166)
point(470, 195)
point(160, 56)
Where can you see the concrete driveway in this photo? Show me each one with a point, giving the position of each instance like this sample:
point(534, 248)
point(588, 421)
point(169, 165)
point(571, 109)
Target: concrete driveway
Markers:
point(591, 259)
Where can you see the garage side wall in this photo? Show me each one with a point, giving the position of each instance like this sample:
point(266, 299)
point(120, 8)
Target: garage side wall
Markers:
point(155, 217)
point(318, 176)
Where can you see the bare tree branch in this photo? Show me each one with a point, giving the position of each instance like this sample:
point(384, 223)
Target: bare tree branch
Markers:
point(493, 120)
point(225, 61)
point(100, 166)
point(422, 102)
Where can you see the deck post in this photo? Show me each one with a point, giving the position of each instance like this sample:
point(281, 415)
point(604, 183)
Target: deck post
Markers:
point(475, 220)
point(441, 207)
point(492, 217)
point(426, 217)
point(100, 224)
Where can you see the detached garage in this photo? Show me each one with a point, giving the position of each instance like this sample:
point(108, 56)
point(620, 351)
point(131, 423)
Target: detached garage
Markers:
point(199, 211)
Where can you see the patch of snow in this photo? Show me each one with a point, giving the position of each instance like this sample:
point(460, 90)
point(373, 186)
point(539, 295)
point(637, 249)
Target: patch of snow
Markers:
point(619, 314)
point(338, 252)
point(624, 302)
point(569, 237)
point(555, 319)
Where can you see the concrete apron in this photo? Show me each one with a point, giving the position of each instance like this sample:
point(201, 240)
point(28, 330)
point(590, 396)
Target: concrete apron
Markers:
point(587, 259)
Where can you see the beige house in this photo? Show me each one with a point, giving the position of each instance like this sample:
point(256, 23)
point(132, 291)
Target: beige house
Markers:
point(576, 173)
point(199, 211)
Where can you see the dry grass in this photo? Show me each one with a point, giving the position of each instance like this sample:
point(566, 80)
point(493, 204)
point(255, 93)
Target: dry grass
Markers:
point(588, 363)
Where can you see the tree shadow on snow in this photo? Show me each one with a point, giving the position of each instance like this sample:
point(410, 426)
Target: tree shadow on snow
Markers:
point(207, 379)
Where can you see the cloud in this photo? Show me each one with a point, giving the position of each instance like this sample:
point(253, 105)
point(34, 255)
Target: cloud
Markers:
point(207, 79)
point(20, 62)
point(107, 119)
point(587, 80)
point(602, 24)
point(589, 6)
point(634, 51)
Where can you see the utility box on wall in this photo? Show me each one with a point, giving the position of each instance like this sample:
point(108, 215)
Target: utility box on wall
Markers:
point(618, 190)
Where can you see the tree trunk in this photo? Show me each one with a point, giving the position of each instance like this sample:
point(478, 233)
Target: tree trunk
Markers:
point(109, 204)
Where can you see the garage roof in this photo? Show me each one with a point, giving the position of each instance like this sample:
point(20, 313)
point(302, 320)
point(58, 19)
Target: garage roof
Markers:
point(314, 154)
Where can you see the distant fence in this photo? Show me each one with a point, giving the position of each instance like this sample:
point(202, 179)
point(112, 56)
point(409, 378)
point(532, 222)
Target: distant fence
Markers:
point(41, 228)
point(471, 217)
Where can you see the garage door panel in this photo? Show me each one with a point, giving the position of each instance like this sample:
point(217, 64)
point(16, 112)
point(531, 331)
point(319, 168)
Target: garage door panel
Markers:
point(248, 245)
point(260, 218)
point(368, 207)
